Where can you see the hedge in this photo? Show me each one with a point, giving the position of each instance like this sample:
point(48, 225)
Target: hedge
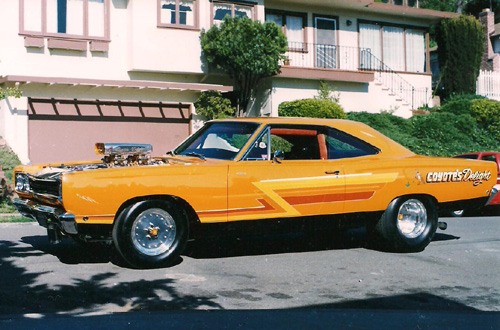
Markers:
point(313, 108)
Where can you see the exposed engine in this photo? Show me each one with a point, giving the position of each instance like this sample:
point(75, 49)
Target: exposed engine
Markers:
point(119, 154)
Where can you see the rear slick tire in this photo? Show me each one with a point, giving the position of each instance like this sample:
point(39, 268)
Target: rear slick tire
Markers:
point(408, 224)
point(150, 234)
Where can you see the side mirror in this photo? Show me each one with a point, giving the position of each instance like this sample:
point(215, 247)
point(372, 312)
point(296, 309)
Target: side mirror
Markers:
point(278, 157)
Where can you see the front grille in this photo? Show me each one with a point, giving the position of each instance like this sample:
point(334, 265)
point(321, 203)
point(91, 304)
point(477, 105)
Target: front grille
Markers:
point(46, 186)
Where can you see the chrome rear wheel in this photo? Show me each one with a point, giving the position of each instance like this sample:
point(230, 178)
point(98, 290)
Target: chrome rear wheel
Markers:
point(407, 225)
point(412, 218)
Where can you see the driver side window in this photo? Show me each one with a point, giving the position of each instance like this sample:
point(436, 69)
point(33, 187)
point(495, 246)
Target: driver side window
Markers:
point(260, 148)
point(295, 142)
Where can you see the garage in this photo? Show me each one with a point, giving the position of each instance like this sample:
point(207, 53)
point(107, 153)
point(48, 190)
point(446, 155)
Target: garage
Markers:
point(61, 130)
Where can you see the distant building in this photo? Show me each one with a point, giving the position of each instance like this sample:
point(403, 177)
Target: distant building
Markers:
point(491, 56)
point(129, 70)
point(495, 39)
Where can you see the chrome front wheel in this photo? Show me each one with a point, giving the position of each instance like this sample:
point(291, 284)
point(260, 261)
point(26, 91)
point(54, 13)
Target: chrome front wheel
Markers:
point(153, 232)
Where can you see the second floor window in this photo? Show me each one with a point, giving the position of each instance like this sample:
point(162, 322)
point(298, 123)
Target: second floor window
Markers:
point(222, 9)
point(399, 48)
point(293, 27)
point(180, 13)
point(87, 19)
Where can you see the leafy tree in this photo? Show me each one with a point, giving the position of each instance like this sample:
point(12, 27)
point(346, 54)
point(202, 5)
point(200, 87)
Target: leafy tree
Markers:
point(460, 49)
point(213, 105)
point(247, 51)
point(477, 6)
point(471, 7)
point(441, 5)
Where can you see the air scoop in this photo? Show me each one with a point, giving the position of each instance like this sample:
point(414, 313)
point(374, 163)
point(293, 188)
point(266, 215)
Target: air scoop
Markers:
point(124, 154)
point(122, 148)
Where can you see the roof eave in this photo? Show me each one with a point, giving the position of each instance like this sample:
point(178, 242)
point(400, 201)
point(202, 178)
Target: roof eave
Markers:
point(140, 84)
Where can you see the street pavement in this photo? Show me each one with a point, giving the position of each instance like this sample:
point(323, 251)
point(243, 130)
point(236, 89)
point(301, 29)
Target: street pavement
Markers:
point(287, 281)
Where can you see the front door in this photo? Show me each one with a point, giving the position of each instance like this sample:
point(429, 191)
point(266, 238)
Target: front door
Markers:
point(299, 182)
point(326, 42)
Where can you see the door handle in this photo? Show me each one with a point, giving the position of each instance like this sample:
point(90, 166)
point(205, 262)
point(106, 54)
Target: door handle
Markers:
point(332, 172)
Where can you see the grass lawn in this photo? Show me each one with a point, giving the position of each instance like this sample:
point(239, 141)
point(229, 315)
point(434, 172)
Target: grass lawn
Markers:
point(15, 219)
point(7, 207)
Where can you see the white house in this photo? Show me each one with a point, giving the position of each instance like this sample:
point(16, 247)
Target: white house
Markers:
point(129, 70)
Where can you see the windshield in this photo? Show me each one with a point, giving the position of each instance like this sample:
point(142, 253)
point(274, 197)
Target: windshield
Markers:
point(217, 140)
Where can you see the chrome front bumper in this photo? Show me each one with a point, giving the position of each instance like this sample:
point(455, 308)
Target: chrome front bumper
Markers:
point(48, 216)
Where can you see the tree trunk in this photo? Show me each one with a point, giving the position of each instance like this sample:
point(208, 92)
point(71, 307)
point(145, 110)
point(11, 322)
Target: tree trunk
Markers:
point(460, 6)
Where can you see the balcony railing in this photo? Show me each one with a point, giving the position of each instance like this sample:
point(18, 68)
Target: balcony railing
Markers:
point(322, 56)
point(334, 57)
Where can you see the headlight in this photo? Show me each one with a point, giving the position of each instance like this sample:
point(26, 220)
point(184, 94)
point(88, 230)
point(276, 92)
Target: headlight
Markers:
point(22, 182)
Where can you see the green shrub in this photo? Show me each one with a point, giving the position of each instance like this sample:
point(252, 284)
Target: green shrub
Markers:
point(385, 123)
point(6, 206)
point(213, 105)
point(8, 160)
point(313, 108)
point(460, 104)
point(446, 134)
point(487, 114)
point(394, 127)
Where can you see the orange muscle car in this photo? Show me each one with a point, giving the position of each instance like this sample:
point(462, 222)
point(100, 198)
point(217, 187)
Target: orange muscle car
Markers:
point(243, 170)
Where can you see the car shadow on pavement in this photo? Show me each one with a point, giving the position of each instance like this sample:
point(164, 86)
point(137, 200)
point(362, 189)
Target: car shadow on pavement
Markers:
point(293, 242)
point(71, 252)
point(438, 237)
point(211, 247)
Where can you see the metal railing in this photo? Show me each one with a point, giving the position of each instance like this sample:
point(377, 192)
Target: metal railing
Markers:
point(393, 81)
point(324, 56)
point(334, 57)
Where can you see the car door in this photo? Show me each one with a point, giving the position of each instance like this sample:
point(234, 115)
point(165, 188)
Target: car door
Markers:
point(285, 173)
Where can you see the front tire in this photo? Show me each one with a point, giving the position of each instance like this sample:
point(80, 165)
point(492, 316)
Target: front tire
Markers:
point(150, 233)
point(408, 224)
